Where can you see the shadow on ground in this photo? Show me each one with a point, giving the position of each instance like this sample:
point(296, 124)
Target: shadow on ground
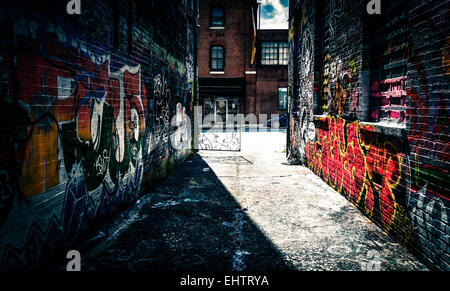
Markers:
point(189, 222)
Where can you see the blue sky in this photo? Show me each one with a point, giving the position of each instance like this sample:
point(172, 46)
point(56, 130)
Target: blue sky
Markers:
point(274, 14)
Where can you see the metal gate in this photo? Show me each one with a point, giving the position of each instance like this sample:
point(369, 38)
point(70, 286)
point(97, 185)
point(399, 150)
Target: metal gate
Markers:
point(220, 139)
point(220, 131)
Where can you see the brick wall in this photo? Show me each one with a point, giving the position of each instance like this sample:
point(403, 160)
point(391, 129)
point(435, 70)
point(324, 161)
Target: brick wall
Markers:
point(267, 85)
point(269, 78)
point(369, 105)
point(260, 95)
point(235, 37)
point(94, 110)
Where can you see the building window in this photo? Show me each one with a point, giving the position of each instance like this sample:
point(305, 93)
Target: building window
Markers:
point(217, 58)
point(282, 98)
point(217, 17)
point(389, 66)
point(274, 53)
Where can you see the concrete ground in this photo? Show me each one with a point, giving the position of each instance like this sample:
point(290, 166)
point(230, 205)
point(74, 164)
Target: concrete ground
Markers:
point(232, 211)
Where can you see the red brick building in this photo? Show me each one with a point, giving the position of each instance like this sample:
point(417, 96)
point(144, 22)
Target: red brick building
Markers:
point(271, 66)
point(229, 82)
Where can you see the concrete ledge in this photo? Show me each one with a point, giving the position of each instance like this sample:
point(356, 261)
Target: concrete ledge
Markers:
point(384, 128)
point(395, 130)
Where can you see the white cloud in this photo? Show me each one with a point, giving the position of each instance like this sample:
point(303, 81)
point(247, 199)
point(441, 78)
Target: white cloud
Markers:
point(280, 19)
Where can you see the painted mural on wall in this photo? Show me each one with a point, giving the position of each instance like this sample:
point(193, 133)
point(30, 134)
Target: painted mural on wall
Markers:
point(82, 132)
point(396, 173)
point(429, 187)
point(305, 57)
point(342, 86)
point(366, 167)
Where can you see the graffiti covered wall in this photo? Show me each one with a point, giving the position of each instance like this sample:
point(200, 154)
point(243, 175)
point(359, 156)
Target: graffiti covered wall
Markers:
point(377, 130)
point(94, 110)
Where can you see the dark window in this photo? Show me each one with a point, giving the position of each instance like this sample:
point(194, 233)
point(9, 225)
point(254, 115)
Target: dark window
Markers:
point(217, 17)
point(274, 53)
point(282, 98)
point(217, 58)
point(388, 65)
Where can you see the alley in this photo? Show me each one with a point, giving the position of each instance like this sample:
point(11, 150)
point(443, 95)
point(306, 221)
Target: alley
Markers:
point(234, 211)
point(113, 154)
